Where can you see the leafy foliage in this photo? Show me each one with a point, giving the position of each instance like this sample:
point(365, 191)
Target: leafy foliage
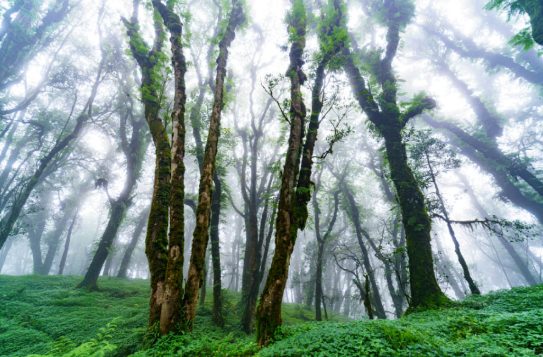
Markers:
point(46, 315)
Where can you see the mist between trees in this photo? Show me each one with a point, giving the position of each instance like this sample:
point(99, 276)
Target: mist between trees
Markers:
point(363, 158)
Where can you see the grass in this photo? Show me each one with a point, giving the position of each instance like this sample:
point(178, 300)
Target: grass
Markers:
point(47, 316)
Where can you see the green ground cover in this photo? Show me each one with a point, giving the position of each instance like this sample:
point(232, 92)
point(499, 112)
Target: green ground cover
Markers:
point(47, 316)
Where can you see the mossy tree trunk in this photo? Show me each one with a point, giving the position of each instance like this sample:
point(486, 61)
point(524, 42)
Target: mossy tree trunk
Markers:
point(217, 316)
point(171, 313)
point(385, 114)
point(156, 241)
point(268, 313)
point(200, 236)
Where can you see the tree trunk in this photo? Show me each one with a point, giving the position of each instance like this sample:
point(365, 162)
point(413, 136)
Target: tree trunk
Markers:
point(217, 316)
point(268, 313)
point(125, 262)
point(4, 253)
point(156, 240)
point(67, 244)
point(467, 275)
point(354, 213)
point(425, 291)
point(54, 243)
point(200, 237)
point(171, 313)
point(449, 274)
point(117, 214)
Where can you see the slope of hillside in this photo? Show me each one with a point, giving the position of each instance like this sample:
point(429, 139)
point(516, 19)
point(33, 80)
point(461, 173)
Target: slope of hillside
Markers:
point(48, 317)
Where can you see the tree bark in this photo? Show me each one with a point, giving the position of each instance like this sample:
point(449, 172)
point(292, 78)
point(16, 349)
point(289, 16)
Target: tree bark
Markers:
point(425, 291)
point(200, 237)
point(321, 242)
point(171, 313)
point(156, 240)
point(268, 313)
point(217, 316)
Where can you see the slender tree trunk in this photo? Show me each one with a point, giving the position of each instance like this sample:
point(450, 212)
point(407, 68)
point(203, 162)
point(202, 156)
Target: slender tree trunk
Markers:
point(7, 223)
point(67, 244)
point(156, 240)
point(449, 274)
point(54, 243)
point(138, 230)
point(268, 313)
point(200, 237)
point(4, 253)
point(519, 262)
point(171, 313)
point(467, 275)
point(217, 316)
point(354, 213)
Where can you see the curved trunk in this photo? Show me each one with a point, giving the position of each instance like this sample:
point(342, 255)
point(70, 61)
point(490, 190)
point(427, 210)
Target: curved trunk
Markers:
point(117, 214)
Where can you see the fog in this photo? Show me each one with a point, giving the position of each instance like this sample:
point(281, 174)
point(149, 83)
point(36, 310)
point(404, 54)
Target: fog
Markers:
point(476, 154)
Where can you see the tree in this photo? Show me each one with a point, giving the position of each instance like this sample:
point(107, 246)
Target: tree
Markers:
point(8, 222)
point(384, 113)
point(533, 8)
point(432, 157)
point(150, 62)
point(200, 237)
point(134, 151)
point(268, 313)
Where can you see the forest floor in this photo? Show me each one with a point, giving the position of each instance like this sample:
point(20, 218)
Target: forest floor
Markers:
point(48, 316)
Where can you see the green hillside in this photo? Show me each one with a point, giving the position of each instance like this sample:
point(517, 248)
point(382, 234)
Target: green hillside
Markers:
point(47, 316)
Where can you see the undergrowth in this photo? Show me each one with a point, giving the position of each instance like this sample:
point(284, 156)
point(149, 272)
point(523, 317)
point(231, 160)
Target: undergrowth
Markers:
point(46, 316)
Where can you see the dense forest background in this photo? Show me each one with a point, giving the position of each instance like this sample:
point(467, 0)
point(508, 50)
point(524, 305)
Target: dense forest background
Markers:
point(363, 159)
